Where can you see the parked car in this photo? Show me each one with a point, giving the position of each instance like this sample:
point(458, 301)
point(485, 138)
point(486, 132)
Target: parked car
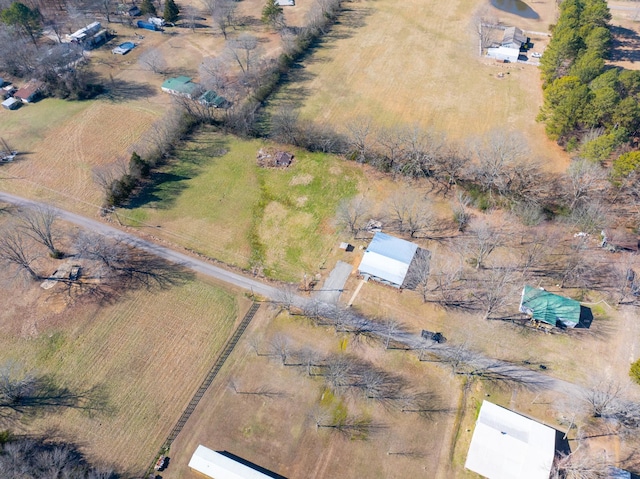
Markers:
point(536, 55)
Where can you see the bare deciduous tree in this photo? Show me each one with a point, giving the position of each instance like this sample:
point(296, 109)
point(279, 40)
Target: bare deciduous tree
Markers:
point(280, 347)
point(153, 60)
point(359, 138)
point(495, 289)
point(18, 252)
point(411, 212)
point(481, 243)
point(584, 181)
point(352, 213)
point(244, 51)
point(580, 465)
point(38, 223)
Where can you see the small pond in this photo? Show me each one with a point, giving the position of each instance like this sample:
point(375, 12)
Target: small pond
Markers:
point(517, 7)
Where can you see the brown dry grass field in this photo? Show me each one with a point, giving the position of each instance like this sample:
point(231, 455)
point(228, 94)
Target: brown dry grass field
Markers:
point(278, 432)
point(143, 355)
point(405, 63)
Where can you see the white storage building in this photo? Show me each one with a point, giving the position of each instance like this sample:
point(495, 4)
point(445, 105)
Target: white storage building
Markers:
point(506, 445)
point(218, 466)
point(387, 259)
point(504, 53)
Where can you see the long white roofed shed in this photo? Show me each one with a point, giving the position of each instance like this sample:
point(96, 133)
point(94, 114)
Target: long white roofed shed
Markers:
point(218, 466)
point(506, 445)
point(387, 259)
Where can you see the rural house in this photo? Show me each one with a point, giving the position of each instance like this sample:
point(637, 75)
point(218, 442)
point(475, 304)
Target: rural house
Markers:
point(550, 308)
point(28, 93)
point(507, 445)
point(90, 36)
point(219, 466)
point(180, 86)
point(387, 260)
point(504, 54)
point(211, 99)
point(514, 38)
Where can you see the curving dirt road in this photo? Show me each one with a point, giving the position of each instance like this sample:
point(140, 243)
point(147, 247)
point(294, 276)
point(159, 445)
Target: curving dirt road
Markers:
point(529, 377)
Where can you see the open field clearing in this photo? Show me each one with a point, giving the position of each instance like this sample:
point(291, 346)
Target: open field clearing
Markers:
point(277, 429)
point(415, 63)
point(144, 356)
point(58, 167)
point(215, 200)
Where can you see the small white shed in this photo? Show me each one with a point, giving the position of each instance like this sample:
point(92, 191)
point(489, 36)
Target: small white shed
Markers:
point(218, 466)
point(504, 54)
point(10, 103)
point(285, 3)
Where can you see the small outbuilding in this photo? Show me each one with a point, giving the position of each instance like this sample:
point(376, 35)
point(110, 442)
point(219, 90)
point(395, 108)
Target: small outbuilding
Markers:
point(218, 466)
point(550, 308)
point(10, 103)
point(387, 259)
point(285, 3)
point(507, 445)
point(211, 99)
point(504, 54)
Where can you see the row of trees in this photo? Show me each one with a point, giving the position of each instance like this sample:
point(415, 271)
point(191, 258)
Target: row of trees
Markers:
point(585, 105)
point(40, 458)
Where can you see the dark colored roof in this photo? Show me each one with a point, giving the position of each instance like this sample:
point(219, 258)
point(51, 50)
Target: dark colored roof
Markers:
point(548, 307)
point(513, 35)
point(211, 98)
point(27, 91)
point(283, 158)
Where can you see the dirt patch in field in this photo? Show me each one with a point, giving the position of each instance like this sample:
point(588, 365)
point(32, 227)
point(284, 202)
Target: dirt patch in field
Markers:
point(302, 180)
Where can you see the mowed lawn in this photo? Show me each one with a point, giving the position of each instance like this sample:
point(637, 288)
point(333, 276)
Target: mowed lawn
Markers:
point(215, 200)
point(417, 63)
point(145, 356)
point(60, 142)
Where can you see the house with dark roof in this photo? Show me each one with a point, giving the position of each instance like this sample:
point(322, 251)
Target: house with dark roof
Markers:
point(211, 99)
point(550, 308)
point(514, 38)
point(28, 93)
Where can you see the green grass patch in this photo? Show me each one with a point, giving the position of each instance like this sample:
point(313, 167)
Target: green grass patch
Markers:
point(215, 199)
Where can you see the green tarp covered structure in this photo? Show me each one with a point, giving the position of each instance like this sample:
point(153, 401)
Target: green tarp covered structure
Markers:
point(550, 308)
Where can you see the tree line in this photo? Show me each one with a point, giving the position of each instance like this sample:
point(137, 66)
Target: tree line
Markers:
point(588, 107)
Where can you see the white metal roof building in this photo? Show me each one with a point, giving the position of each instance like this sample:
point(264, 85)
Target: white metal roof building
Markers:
point(504, 53)
point(506, 445)
point(387, 259)
point(218, 466)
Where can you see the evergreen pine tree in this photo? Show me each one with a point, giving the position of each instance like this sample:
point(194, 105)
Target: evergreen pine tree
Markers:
point(148, 8)
point(171, 11)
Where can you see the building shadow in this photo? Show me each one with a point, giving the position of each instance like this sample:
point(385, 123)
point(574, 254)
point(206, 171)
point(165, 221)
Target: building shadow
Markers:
point(250, 464)
point(586, 318)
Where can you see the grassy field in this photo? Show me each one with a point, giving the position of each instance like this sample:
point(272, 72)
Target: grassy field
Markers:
point(278, 431)
point(215, 199)
point(145, 355)
point(406, 63)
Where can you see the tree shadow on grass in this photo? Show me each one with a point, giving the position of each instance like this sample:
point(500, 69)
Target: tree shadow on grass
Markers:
point(38, 395)
point(119, 91)
point(166, 185)
point(626, 44)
